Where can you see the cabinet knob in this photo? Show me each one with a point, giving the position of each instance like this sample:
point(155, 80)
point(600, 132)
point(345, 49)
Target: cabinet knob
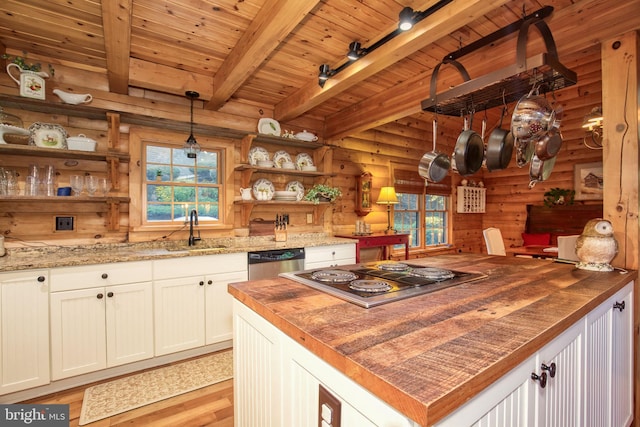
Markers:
point(209, 282)
point(202, 283)
point(333, 253)
point(110, 295)
point(619, 305)
point(551, 368)
point(41, 279)
point(104, 275)
point(542, 378)
point(100, 296)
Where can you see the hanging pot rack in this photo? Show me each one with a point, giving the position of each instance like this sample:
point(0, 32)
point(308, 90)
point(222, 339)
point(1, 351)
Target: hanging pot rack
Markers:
point(507, 84)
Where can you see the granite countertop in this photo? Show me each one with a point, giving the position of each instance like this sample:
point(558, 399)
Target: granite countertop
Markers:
point(429, 354)
point(60, 256)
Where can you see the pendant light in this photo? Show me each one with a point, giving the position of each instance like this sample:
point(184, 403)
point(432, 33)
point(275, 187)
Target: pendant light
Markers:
point(191, 147)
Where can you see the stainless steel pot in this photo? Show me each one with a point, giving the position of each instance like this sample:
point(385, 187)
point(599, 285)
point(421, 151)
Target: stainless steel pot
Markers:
point(532, 118)
point(434, 166)
point(469, 151)
point(540, 170)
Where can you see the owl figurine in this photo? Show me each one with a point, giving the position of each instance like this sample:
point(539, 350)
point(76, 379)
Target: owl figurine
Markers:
point(596, 246)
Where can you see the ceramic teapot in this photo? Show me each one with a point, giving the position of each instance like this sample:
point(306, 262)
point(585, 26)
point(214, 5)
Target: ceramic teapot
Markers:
point(245, 193)
point(73, 98)
point(31, 82)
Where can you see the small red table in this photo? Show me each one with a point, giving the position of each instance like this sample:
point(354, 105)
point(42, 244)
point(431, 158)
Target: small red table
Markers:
point(377, 240)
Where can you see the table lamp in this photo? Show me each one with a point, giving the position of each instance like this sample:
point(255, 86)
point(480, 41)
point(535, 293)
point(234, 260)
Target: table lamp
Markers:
point(388, 197)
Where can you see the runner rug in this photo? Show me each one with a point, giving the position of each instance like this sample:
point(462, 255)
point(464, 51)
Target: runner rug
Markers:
point(121, 395)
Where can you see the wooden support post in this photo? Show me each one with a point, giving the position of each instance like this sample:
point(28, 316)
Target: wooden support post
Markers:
point(620, 74)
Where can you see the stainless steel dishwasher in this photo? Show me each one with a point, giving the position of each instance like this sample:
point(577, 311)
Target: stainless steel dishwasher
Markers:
point(268, 264)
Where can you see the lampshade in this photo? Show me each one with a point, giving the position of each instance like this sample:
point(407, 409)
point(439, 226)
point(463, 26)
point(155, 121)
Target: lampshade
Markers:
point(593, 120)
point(387, 196)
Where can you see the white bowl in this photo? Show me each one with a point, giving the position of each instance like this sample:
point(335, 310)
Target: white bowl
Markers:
point(81, 143)
point(285, 194)
point(309, 168)
point(265, 163)
point(288, 165)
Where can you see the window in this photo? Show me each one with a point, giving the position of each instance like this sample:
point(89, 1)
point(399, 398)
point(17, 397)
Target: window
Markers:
point(423, 210)
point(176, 184)
point(434, 209)
point(165, 185)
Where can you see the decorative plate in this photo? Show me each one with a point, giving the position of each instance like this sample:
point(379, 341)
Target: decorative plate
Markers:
point(269, 127)
point(333, 276)
point(263, 186)
point(257, 154)
point(11, 130)
point(296, 186)
point(280, 157)
point(47, 135)
point(303, 159)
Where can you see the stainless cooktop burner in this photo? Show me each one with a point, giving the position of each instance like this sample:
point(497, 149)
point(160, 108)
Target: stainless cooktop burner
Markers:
point(378, 283)
point(369, 285)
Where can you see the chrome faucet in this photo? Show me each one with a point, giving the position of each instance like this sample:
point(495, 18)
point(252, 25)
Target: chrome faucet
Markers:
point(193, 219)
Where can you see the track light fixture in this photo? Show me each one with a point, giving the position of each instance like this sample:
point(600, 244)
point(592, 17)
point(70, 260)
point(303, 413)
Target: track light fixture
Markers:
point(355, 51)
point(408, 18)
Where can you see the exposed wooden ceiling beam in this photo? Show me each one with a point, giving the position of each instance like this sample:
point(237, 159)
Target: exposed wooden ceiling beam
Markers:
point(422, 34)
point(274, 22)
point(404, 99)
point(116, 21)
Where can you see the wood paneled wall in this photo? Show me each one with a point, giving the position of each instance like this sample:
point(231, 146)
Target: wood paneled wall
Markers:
point(403, 141)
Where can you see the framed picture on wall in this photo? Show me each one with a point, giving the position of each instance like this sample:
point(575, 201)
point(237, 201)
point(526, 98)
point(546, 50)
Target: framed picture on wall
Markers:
point(588, 180)
point(363, 194)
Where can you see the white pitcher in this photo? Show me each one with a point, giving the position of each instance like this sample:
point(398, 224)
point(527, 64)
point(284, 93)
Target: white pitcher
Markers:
point(245, 193)
point(31, 82)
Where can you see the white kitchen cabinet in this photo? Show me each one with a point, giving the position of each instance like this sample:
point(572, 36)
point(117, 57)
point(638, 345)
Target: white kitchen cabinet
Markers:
point(277, 382)
point(95, 327)
point(24, 330)
point(609, 341)
point(592, 383)
point(329, 256)
point(191, 303)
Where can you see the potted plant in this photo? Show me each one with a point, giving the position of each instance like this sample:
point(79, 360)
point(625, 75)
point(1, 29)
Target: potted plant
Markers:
point(323, 193)
point(558, 196)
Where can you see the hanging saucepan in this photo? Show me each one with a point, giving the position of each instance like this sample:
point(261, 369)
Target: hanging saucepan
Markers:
point(540, 170)
point(469, 150)
point(549, 145)
point(499, 146)
point(434, 166)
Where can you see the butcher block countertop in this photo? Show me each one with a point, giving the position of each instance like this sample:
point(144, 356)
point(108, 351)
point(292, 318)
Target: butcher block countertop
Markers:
point(429, 354)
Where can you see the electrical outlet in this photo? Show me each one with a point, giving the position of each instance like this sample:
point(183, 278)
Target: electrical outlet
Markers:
point(309, 218)
point(64, 223)
point(329, 411)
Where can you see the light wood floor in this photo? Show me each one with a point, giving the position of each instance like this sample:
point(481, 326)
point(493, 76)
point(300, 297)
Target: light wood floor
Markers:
point(210, 406)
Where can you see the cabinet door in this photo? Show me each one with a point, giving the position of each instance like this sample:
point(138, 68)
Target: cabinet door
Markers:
point(560, 403)
point(129, 320)
point(329, 256)
point(609, 361)
point(178, 314)
point(24, 330)
point(78, 343)
point(219, 306)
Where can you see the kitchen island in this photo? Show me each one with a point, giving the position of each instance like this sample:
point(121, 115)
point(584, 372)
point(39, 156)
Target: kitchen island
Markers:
point(431, 356)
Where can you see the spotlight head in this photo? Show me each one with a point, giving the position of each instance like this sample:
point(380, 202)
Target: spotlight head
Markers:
point(324, 72)
point(406, 19)
point(354, 51)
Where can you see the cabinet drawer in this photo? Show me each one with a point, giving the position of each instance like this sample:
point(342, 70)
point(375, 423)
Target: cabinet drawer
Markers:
point(199, 265)
point(330, 253)
point(91, 276)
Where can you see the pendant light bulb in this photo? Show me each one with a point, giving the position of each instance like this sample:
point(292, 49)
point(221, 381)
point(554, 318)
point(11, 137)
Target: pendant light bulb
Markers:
point(191, 147)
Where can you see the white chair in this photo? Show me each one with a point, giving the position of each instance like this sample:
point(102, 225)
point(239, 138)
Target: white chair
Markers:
point(567, 248)
point(494, 242)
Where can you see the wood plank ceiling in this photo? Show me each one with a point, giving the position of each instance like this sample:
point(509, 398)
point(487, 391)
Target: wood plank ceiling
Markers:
point(268, 52)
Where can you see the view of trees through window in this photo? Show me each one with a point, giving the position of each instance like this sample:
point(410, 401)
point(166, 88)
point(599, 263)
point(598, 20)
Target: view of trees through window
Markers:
point(176, 184)
point(434, 209)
